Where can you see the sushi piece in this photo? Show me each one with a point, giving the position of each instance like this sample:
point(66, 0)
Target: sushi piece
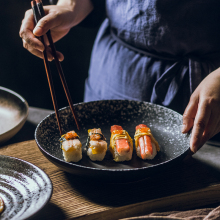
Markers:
point(96, 144)
point(1, 205)
point(71, 146)
point(121, 144)
point(145, 144)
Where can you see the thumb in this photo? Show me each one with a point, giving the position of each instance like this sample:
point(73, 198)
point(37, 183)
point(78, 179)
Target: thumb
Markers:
point(45, 24)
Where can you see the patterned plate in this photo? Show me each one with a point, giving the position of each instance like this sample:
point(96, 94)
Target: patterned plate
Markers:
point(165, 125)
point(24, 188)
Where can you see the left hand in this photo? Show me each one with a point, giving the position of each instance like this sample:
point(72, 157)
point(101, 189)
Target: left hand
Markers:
point(202, 113)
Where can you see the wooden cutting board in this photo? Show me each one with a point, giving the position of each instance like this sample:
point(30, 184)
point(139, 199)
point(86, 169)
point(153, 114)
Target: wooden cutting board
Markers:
point(186, 186)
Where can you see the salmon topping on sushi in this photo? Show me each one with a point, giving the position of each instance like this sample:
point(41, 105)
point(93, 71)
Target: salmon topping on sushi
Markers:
point(97, 137)
point(115, 128)
point(121, 144)
point(146, 145)
point(70, 135)
point(121, 139)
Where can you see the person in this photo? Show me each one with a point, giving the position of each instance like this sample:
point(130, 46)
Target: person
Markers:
point(166, 52)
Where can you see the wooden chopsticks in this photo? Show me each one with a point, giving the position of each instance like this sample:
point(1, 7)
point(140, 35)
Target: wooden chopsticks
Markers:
point(38, 12)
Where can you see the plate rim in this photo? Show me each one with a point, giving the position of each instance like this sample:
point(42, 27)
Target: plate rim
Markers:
point(5, 136)
point(48, 179)
point(69, 164)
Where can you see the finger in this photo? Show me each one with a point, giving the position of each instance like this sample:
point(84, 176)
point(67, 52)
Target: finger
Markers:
point(189, 115)
point(28, 22)
point(60, 56)
point(27, 35)
point(201, 120)
point(32, 50)
point(37, 52)
point(30, 42)
point(46, 23)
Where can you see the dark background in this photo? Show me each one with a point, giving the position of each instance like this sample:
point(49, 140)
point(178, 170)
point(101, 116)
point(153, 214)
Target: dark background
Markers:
point(24, 73)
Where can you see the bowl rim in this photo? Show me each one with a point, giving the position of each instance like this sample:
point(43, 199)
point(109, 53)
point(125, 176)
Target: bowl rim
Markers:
point(6, 135)
point(64, 163)
point(49, 181)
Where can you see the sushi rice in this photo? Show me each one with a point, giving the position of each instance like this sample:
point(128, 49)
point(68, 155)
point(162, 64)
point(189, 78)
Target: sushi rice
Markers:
point(71, 147)
point(97, 146)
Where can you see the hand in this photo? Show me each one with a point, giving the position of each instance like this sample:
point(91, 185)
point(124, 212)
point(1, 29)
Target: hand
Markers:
point(203, 111)
point(59, 19)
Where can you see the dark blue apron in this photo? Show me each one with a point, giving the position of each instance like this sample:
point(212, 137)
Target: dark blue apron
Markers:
point(155, 50)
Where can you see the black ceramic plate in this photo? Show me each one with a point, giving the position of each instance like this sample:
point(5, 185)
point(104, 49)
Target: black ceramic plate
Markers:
point(13, 113)
point(24, 188)
point(165, 125)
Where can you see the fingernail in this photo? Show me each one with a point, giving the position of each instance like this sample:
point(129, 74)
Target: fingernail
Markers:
point(194, 149)
point(183, 128)
point(37, 30)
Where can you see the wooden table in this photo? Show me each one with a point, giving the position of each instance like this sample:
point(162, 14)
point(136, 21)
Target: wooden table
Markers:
point(189, 185)
point(193, 183)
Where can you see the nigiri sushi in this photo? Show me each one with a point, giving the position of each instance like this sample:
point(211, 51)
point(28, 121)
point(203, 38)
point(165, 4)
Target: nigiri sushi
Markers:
point(121, 144)
point(145, 144)
point(1, 205)
point(96, 145)
point(71, 146)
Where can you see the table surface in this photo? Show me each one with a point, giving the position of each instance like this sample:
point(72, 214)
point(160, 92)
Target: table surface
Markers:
point(193, 183)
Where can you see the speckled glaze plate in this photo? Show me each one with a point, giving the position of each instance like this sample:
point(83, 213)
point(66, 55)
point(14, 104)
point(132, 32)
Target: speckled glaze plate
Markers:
point(13, 113)
point(165, 125)
point(24, 188)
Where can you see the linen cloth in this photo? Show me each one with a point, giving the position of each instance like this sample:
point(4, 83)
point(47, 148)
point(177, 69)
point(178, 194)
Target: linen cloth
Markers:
point(197, 214)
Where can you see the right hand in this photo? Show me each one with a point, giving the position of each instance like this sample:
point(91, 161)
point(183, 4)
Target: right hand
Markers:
point(59, 19)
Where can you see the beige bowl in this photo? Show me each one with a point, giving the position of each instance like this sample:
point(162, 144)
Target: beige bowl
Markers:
point(13, 113)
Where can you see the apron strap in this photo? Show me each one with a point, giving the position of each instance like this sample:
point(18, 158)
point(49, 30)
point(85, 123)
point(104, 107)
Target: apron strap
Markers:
point(141, 51)
point(168, 84)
